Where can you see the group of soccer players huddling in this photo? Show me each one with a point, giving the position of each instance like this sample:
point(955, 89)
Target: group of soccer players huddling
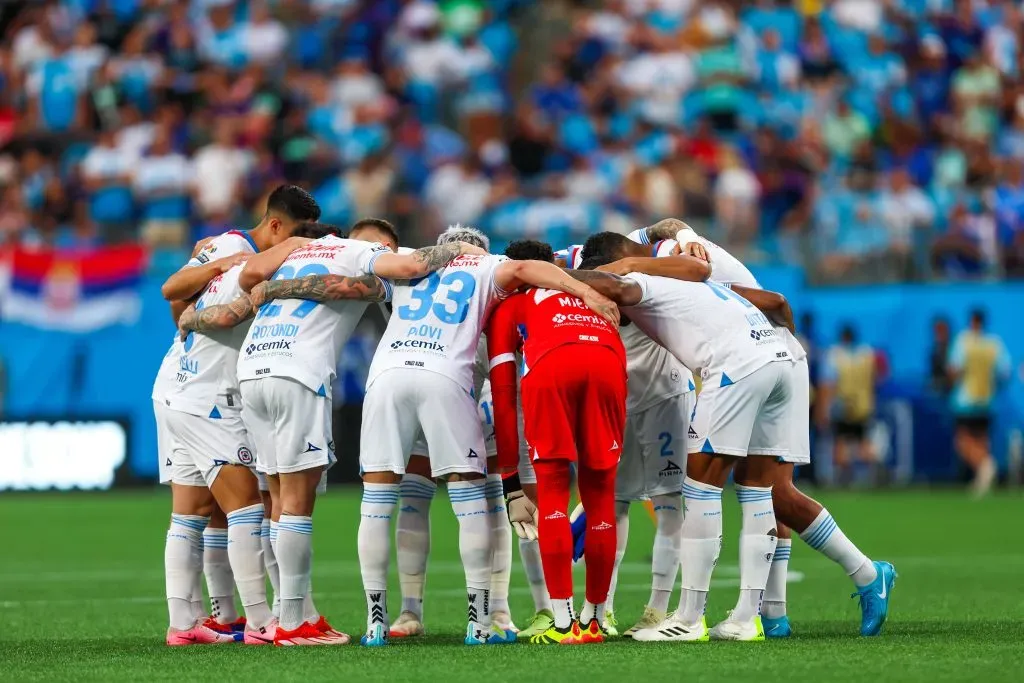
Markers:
point(509, 377)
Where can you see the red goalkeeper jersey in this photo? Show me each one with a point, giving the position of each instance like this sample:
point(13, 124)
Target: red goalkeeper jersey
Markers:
point(536, 321)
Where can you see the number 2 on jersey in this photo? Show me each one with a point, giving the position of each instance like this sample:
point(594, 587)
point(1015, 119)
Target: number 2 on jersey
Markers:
point(270, 310)
point(460, 287)
point(724, 293)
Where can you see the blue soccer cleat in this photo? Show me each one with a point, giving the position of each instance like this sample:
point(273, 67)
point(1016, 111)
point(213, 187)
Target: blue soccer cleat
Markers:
point(477, 634)
point(776, 628)
point(874, 599)
point(500, 636)
point(377, 636)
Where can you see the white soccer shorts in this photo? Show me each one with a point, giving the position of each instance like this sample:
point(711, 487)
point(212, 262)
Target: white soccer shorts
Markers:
point(291, 425)
point(404, 402)
point(750, 416)
point(653, 461)
point(202, 445)
point(485, 413)
point(164, 444)
point(798, 415)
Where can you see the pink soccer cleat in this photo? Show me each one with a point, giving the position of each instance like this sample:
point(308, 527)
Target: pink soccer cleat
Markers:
point(263, 635)
point(197, 635)
point(307, 634)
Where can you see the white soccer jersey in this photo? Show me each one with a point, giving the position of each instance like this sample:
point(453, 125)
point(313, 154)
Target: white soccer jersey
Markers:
point(167, 374)
point(437, 320)
point(654, 373)
point(707, 327)
point(301, 339)
point(725, 268)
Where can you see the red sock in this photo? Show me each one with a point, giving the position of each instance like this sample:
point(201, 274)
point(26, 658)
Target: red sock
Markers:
point(553, 532)
point(597, 492)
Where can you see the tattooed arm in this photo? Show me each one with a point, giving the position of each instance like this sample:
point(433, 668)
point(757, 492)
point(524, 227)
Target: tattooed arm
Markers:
point(421, 262)
point(321, 288)
point(219, 317)
point(512, 275)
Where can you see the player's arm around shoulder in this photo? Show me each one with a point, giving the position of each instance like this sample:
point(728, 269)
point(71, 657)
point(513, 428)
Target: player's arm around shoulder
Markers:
point(193, 277)
point(621, 290)
point(262, 266)
point(772, 304)
point(217, 317)
point(331, 287)
point(421, 262)
point(511, 275)
point(677, 267)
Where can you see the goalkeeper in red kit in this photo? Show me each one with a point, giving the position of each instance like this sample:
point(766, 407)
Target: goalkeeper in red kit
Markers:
point(574, 410)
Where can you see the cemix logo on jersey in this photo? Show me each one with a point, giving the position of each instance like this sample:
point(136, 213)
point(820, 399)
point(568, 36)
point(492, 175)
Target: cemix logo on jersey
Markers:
point(422, 338)
point(279, 345)
point(577, 318)
point(276, 330)
point(762, 337)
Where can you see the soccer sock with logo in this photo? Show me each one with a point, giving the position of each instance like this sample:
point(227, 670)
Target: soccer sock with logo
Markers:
point(469, 502)
point(825, 536)
point(374, 542)
point(220, 582)
point(555, 536)
point(501, 537)
point(270, 563)
point(184, 536)
point(295, 563)
point(758, 537)
point(597, 493)
point(245, 551)
point(774, 605)
point(668, 509)
point(529, 553)
point(412, 536)
point(621, 538)
point(699, 546)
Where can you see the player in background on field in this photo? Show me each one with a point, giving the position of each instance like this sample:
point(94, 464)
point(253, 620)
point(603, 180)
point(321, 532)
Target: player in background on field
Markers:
point(574, 410)
point(660, 399)
point(792, 507)
point(420, 381)
point(212, 456)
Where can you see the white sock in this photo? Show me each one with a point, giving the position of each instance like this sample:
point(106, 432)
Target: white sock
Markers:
point(181, 570)
point(220, 582)
point(412, 536)
point(309, 611)
point(501, 537)
point(469, 502)
point(294, 562)
point(270, 563)
point(592, 611)
point(699, 546)
point(198, 610)
point(245, 551)
point(774, 605)
point(621, 539)
point(758, 537)
point(374, 542)
point(529, 553)
point(668, 510)
point(825, 536)
point(564, 613)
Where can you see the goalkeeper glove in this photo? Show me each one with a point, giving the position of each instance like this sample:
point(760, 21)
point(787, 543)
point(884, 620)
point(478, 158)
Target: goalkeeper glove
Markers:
point(522, 513)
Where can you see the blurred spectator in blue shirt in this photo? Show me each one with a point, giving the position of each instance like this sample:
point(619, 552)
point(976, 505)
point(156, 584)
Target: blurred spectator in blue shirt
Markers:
point(162, 181)
point(968, 247)
point(107, 175)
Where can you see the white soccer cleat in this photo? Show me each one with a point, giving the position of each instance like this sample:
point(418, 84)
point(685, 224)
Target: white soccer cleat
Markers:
point(407, 625)
point(673, 630)
point(748, 631)
point(504, 621)
point(651, 618)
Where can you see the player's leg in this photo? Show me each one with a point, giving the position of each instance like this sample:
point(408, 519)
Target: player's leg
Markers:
point(269, 556)
point(629, 486)
point(529, 554)
point(387, 432)
point(220, 582)
point(773, 607)
point(412, 539)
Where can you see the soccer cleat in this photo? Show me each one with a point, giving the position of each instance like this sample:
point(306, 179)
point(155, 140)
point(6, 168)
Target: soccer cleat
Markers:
point(499, 635)
point(325, 628)
point(672, 629)
point(874, 599)
point(776, 628)
point(750, 631)
point(554, 636)
point(477, 634)
point(306, 634)
point(377, 636)
point(541, 622)
point(504, 620)
point(610, 624)
point(585, 635)
point(235, 628)
point(651, 618)
point(197, 635)
point(265, 635)
point(407, 625)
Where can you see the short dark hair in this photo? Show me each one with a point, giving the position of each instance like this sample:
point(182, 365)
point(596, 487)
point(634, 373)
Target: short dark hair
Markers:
point(978, 316)
point(294, 202)
point(847, 332)
point(316, 230)
point(606, 245)
point(595, 262)
point(378, 224)
point(530, 250)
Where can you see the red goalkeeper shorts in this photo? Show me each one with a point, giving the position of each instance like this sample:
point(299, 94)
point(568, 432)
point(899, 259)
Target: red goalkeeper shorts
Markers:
point(574, 405)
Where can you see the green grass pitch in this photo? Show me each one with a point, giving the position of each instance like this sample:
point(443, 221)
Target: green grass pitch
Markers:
point(81, 591)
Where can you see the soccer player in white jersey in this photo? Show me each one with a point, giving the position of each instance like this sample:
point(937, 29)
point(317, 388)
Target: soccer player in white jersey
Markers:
point(212, 456)
point(814, 524)
point(420, 381)
point(746, 371)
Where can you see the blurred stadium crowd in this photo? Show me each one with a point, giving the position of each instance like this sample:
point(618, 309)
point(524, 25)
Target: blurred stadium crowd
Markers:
point(864, 139)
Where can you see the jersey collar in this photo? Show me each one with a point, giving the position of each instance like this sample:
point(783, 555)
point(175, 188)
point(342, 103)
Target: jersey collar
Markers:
point(248, 238)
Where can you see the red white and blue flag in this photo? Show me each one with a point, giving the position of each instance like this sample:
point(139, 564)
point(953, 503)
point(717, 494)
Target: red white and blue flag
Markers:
point(74, 291)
